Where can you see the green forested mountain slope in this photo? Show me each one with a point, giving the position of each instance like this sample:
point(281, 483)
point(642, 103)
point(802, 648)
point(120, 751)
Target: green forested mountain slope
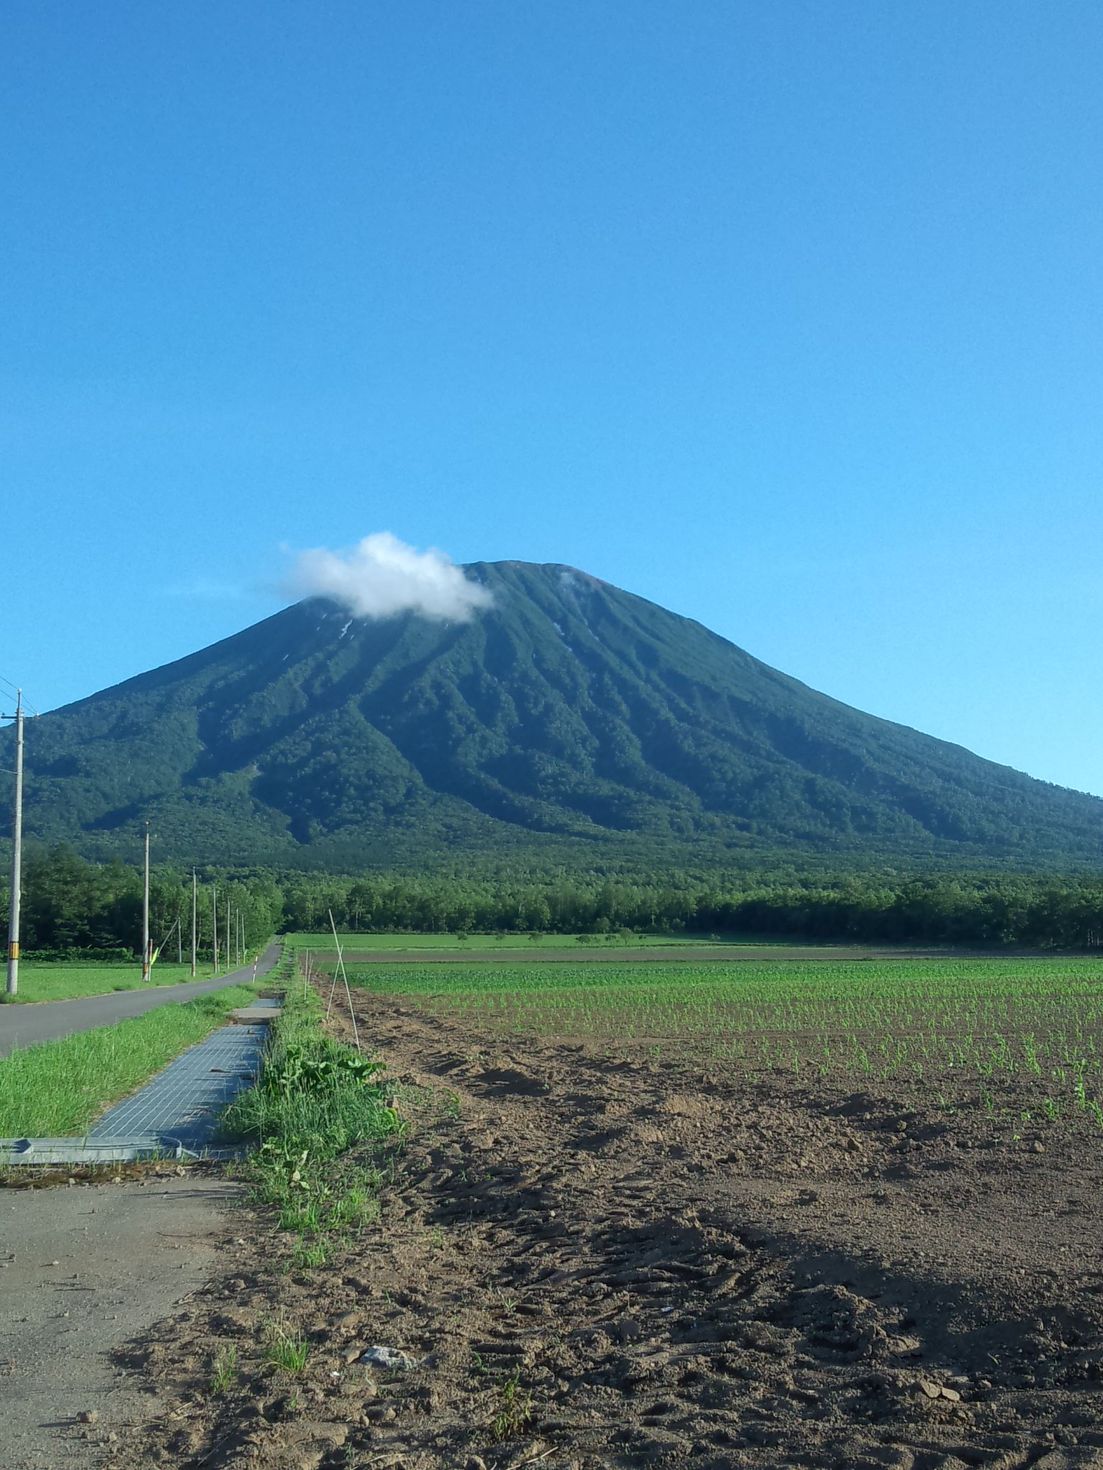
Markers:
point(571, 718)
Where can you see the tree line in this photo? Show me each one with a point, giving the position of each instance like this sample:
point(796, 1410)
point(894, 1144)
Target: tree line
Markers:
point(72, 906)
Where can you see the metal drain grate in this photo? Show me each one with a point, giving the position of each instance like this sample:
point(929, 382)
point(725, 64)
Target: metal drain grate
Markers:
point(183, 1102)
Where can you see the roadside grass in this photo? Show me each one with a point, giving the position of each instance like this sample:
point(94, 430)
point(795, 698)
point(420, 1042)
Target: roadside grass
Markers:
point(56, 1089)
point(317, 1103)
point(47, 980)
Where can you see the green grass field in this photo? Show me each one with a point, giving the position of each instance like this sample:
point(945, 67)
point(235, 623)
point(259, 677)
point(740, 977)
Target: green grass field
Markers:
point(571, 949)
point(1034, 1019)
point(48, 981)
point(364, 943)
point(59, 1087)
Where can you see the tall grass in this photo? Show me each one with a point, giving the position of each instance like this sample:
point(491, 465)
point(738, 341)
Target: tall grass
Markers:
point(316, 1100)
point(315, 1093)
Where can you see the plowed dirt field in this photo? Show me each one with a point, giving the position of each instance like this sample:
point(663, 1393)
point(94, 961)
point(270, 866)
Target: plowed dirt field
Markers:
point(602, 1257)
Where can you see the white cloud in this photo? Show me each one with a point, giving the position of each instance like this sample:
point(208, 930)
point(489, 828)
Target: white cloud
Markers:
point(381, 575)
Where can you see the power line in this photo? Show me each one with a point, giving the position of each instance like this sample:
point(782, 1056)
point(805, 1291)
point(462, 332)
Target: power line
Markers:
point(28, 707)
point(13, 688)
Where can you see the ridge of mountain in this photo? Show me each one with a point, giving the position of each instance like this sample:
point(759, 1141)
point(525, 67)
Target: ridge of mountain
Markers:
point(570, 717)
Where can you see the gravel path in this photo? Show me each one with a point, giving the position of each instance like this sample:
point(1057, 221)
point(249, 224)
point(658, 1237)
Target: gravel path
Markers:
point(83, 1269)
point(26, 1025)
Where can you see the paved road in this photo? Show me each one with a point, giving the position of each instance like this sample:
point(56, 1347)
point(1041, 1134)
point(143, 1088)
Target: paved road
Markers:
point(25, 1025)
point(82, 1272)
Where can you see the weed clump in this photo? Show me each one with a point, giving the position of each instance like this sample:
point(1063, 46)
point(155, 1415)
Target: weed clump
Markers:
point(316, 1101)
point(285, 1350)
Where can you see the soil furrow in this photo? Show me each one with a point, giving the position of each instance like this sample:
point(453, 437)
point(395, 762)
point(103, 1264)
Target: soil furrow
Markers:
point(600, 1259)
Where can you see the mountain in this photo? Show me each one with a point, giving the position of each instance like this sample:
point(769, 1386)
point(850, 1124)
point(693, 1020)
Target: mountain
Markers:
point(570, 719)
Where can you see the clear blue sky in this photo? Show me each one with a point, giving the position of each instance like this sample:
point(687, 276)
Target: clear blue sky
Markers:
point(786, 316)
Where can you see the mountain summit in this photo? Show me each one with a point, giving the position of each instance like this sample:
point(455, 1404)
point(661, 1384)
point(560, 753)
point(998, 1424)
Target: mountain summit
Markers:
point(568, 715)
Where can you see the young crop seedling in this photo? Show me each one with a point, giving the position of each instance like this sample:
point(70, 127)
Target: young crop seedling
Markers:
point(223, 1369)
point(990, 1034)
point(514, 1409)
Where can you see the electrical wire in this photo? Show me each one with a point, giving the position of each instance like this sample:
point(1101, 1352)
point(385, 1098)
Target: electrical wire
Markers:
point(14, 689)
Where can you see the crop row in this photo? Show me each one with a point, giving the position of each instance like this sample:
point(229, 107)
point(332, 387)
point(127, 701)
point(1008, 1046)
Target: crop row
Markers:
point(1036, 1023)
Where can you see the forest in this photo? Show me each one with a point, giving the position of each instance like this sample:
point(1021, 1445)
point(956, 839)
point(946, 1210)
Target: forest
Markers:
point(73, 907)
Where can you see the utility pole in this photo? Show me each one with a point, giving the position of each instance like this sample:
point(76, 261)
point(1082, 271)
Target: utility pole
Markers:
point(228, 960)
point(145, 911)
point(214, 925)
point(193, 918)
point(16, 850)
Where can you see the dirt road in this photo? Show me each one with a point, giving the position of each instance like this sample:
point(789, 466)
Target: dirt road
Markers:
point(601, 1258)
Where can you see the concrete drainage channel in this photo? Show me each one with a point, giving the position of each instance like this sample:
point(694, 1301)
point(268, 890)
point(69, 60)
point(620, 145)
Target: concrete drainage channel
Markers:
point(175, 1115)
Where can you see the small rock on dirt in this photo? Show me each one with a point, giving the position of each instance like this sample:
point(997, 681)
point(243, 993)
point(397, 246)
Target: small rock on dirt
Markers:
point(387, 1357)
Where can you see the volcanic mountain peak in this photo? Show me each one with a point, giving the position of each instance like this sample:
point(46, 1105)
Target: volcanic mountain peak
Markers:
point(567, 715)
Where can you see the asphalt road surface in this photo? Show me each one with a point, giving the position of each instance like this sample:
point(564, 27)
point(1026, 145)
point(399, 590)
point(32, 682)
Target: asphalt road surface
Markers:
point(82, 1271)
point(26, 1025)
